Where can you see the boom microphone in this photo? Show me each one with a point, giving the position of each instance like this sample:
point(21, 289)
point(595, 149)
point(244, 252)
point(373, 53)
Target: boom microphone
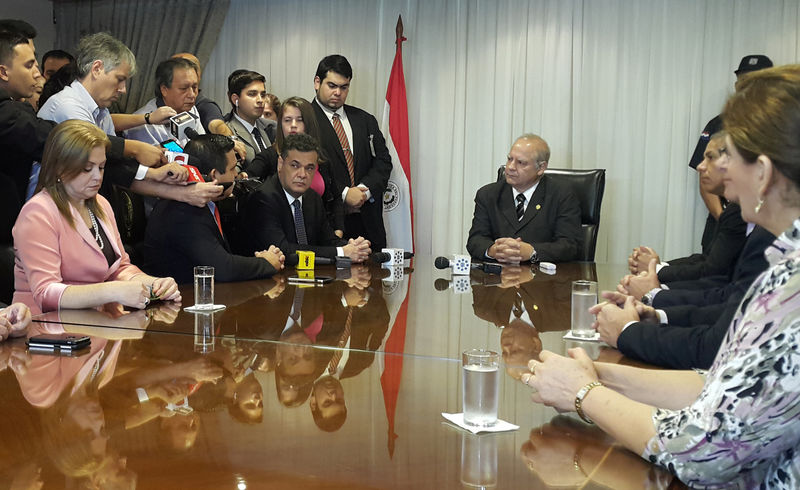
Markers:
point(487, 267)
point(381, 257)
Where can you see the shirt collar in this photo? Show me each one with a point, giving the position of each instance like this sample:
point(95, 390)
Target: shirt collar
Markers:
point(329, 112)
point(528, 193)
point(88, 101)
point(249, 127)
point(290, 198)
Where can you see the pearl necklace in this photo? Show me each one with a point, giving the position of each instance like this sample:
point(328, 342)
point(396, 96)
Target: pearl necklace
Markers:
point(97, 236)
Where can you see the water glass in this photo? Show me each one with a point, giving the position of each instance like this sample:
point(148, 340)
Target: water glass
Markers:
point(481, 390)
point(203, 287)
point(584, 296)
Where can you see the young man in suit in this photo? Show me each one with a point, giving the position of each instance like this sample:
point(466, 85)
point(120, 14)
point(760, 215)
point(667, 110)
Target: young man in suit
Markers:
point(180, 236)
point(529, 217)
point(248, 94)
point(355, 149)
point(286, 213)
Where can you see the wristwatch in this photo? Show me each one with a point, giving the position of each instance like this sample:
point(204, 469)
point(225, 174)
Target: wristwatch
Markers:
point(647, 299)
point(534, 256)
point(147, 117)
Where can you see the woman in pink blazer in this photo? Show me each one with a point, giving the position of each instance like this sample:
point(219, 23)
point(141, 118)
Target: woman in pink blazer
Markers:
point(69, 253)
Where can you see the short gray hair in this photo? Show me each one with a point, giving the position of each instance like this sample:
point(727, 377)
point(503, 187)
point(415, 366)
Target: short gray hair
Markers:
point(106, 48)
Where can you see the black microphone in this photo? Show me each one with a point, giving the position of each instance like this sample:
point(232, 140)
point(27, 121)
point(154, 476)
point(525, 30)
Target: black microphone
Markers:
point(341, 262)
point(381, 257)
point(191, 133)
point(487, 267)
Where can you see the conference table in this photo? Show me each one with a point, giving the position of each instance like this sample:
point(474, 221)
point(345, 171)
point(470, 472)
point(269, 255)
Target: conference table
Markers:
point(339, 385)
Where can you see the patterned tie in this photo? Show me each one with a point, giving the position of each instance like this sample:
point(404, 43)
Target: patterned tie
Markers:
point(259, 141)
point(299, 224)
point(348, 154)
point(215, 212)
point(337, 355)
point(520, 206)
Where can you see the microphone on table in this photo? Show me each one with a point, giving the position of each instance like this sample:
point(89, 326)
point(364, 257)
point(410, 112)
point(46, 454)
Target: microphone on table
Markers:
point(383, 257)
point(487, 267)
point(340, 262)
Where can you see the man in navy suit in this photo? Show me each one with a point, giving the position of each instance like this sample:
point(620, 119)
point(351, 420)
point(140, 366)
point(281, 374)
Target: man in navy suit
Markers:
point(286, 213)
point(355, 149)
point(529, 217)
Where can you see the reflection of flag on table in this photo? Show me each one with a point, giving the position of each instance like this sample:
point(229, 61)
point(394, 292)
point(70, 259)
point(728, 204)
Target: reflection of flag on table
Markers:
point(397, 205)
point(396, 296)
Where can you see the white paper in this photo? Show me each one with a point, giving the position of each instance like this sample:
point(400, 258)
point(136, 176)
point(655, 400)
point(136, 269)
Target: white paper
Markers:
point(499, 426)
point(569, 336)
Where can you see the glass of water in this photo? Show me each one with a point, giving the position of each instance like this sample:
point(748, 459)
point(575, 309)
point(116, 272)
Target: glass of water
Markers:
point(584, 296)
point(204, 287)
point(481, 390)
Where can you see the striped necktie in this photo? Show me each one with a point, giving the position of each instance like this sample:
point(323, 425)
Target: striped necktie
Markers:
point(348, 153)
point(520, 206)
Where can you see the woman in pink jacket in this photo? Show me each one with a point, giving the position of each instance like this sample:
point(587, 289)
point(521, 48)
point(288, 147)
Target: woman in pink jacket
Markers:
point(69, 253)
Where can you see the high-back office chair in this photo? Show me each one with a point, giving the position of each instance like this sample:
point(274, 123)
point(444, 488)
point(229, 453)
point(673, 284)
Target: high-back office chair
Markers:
point(131, 221)
point(588, 187)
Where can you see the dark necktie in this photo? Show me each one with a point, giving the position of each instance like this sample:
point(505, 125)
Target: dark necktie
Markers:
point(348, 153)
point(520, 206)
point(259, 141)
point(299, 223)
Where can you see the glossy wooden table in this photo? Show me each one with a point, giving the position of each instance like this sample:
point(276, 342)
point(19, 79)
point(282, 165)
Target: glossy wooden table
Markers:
point(252, 375)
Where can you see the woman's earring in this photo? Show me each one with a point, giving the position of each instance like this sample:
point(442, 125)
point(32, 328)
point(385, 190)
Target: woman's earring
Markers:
point(758, 206)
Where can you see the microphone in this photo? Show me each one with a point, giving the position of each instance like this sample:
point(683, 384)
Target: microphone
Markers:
point(487, 267)
point(181, 126)
point(340, 262)
point(381, 257)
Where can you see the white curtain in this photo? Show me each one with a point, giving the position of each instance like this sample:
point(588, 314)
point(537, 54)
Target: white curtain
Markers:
point(624, 85)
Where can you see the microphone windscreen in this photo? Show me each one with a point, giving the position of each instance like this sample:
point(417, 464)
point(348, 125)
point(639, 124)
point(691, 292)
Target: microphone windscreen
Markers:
point(290, 259)
point(408, 255)
point(380, 257)
point(191, 133)
point(441, 262)
point(441, 284)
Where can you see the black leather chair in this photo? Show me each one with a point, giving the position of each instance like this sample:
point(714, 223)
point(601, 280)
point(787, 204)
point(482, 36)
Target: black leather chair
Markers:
point(588, 187)
point(131, 220)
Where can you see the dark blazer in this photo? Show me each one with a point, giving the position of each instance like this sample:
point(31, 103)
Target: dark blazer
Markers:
point(373, 165)
point(696, 345)
point(552, 221)
point(272, 221)
point(750, 264)
point(725, 247)
point(180, 236)
point(265, 164)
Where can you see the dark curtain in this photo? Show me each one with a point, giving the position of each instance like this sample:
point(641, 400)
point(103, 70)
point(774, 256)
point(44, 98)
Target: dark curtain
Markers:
point(152, 29)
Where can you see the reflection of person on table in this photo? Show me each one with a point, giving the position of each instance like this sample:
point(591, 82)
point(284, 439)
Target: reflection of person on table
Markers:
point(738, 424)
point(567, 453)
point(14, 321)
point(69, 251)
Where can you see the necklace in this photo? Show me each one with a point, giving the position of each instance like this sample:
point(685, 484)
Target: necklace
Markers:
point(96, 229)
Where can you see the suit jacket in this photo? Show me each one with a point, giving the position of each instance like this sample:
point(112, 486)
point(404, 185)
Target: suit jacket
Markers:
point(696, 345)
point(725, 247)
point(265, 164)
point(750, 264)
point(52, 255)
point(373, 165)
point(180, 236)
point(272, 220)
point(552, 221)
point(247, 137)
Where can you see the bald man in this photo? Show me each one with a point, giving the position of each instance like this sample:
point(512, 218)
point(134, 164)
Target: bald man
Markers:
point(527, 217)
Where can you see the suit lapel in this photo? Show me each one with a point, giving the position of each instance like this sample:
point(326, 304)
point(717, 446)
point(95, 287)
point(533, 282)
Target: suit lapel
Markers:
point(358, 132)
point(242, 133)
point(536, 204)
point(328, 135)
point(506, 206)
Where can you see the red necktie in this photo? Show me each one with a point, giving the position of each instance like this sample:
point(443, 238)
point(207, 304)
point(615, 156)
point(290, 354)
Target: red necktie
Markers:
point(216, 218)
point(348, 153)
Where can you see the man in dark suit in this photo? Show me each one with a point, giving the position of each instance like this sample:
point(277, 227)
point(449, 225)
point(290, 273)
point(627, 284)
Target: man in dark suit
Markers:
point(284, 212)
point(528, 217)
point(697, 319)
point(355, 149)
point(180, 236)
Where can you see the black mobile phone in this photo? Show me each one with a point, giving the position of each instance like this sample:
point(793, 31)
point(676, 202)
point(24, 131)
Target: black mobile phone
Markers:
point(172, 145)
point(310, 280)
point(63, 341)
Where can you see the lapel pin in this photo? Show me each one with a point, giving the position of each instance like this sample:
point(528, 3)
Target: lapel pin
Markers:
point(538, 207)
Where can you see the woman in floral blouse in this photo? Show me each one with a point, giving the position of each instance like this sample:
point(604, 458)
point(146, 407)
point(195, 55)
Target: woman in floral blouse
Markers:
point(738, 425)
